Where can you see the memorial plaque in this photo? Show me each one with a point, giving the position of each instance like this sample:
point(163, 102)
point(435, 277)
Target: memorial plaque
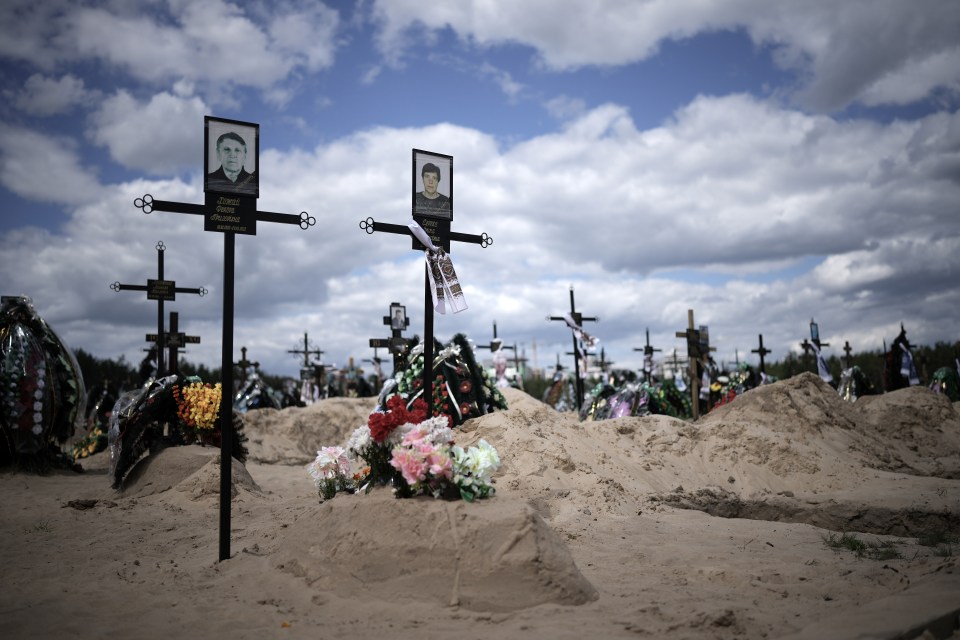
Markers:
point(161, 289)
point(228, 213)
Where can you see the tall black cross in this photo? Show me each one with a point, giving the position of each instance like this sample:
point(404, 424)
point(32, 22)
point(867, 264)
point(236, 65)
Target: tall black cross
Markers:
point(173, 340)
point(441, 237)
point(578, 319)
point(396, 344)
point(814, 340)
point(648, 352)
point(159, 290)
point(306, 351)
point(762, 351)
point(245, 364)
point(228, 214)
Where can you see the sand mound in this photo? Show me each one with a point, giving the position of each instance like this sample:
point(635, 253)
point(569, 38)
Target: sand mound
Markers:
point(293, 435)
point(488, 556)
point(793, 451)
point(912, 430)
point(192, 471)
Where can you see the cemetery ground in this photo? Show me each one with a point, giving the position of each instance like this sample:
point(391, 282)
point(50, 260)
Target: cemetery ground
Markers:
point(788, 513)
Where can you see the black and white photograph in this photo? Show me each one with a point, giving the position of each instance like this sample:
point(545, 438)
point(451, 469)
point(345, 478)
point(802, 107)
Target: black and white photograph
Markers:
point(432, 185)
point(231, 153)
point(398, 316)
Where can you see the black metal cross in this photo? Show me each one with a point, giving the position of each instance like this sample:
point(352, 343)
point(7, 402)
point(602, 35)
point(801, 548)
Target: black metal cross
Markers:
point(578, 319)
point(172, 340)
point(245, 364)
point(648, 352)
point(442, 240)
point(306, 351)
point(228, 215)
point(396, 344)
point(847, 350)
point(762, 351)
point(497, 343)
point(808, 346)
point(159, 290)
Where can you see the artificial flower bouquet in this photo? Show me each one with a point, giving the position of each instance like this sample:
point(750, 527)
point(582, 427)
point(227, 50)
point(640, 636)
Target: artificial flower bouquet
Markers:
point(400, 446)
point(198, 409)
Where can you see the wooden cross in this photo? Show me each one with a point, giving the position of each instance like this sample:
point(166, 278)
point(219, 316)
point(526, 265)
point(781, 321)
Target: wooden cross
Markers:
point(396, 344)
point(648, 352)
point(172, 340)
point(159, 290)
point(441, 236)
point(306, 351)
point(517, 361)
point(698, 346)
point(578, 319)
point(229, 214)
point(245, 364)
point(762, 351)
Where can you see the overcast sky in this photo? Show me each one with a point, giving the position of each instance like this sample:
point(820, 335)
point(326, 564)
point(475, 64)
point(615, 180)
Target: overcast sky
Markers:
point(762, 163)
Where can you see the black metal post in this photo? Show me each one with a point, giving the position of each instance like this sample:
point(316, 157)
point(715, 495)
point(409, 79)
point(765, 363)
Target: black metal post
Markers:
point(226, 398)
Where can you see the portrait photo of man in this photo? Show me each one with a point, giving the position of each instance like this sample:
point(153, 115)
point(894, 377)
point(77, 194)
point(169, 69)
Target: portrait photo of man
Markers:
point(432, 185)
point(398, 317)
point(232, 150)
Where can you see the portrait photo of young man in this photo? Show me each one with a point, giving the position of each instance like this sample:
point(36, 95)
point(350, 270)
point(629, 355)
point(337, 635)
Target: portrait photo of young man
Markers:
point(432, 185)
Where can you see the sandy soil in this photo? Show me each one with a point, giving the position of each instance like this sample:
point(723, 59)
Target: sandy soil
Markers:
point(635, 527)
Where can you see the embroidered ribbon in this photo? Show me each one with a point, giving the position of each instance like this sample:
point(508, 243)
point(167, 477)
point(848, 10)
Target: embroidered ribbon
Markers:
point(907, 368)
point(578, 331)
point(444, 284)
point(822, 364)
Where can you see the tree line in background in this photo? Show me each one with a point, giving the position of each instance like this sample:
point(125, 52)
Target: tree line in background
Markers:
point(121, 375)
point(871, 363)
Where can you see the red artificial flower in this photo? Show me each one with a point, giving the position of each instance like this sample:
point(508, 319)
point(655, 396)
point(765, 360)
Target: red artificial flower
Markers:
point(465, 408)
point(382, 424)
point(466, 386)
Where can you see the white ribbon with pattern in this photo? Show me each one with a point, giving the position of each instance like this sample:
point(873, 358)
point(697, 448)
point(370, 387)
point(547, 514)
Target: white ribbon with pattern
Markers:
point(444, 284)
point(578, 331)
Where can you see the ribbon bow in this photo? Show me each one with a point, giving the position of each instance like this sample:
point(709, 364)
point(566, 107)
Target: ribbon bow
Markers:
point(578, 331)
point(444, 285)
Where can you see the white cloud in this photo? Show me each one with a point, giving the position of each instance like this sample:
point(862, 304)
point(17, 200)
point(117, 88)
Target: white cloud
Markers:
point(210, 43)
point(727, 186)
point(159, 136)
point(43, 96)
point(877, 51)
point(45, 168)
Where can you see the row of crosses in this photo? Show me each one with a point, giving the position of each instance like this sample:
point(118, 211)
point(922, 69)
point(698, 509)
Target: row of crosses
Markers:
point(161, 290)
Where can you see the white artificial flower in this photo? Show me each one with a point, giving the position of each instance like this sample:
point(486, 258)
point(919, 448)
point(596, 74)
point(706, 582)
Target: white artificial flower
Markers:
point(359, 439)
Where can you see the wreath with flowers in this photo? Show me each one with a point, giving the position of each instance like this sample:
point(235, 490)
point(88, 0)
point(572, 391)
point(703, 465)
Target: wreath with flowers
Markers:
point(41, 390)
point(188, 407)
point(460, 390)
